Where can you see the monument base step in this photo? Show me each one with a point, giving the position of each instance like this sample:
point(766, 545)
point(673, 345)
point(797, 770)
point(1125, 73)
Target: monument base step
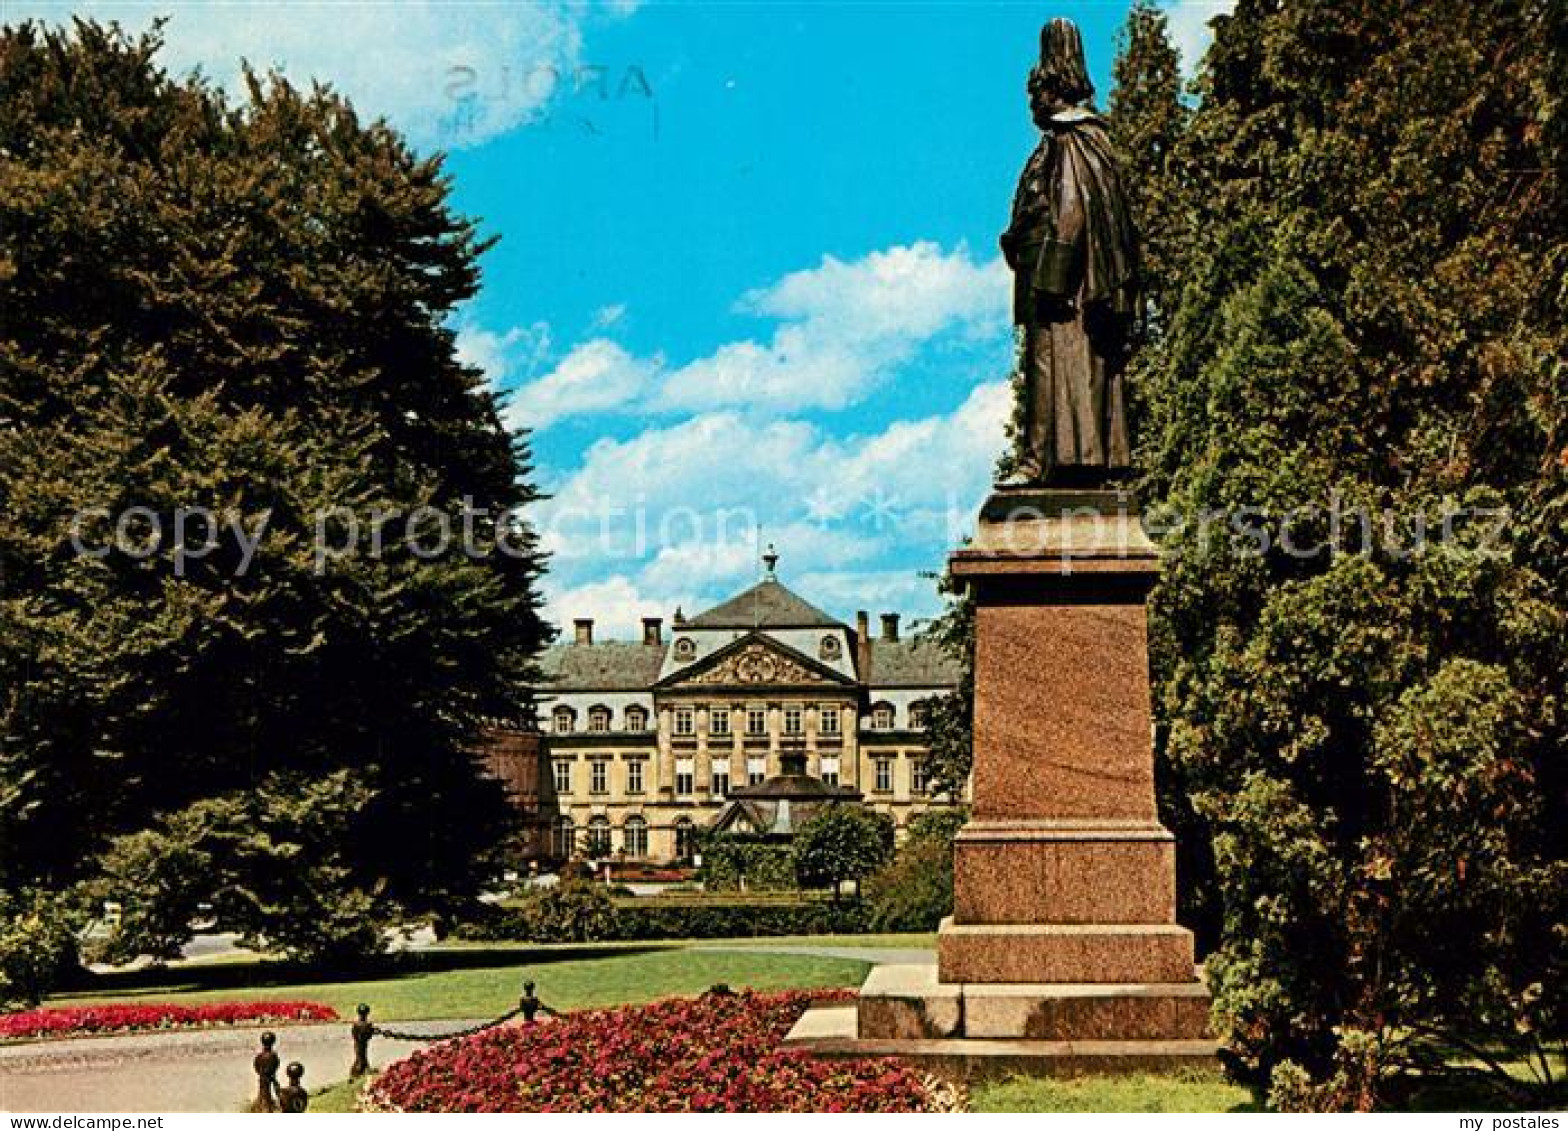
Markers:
point(907, 1002)
point(831, 1031)
point(1060, 952)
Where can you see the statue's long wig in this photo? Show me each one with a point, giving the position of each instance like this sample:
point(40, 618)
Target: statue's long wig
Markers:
point(1062, 65)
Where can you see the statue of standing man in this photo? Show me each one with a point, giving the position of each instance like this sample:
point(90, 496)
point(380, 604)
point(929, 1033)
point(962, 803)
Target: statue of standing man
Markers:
point(1074, 257)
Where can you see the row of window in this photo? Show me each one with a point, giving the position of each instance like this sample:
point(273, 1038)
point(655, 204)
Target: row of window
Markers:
point(683, 720)
point(597, 840)
point(719, 781)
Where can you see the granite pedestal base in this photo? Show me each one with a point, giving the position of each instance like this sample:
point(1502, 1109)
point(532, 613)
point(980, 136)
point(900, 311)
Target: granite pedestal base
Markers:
point(1064, 919)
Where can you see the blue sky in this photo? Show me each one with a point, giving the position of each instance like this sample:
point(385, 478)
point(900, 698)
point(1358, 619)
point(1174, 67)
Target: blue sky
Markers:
point(746, 287)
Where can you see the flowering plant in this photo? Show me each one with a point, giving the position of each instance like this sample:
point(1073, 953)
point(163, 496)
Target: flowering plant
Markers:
point(80, 1020)
point(719, 1052)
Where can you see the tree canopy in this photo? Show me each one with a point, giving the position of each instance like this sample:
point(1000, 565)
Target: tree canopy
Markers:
point(243, 307)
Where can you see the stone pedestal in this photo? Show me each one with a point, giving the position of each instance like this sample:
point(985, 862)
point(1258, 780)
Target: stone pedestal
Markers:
point(1064, 920)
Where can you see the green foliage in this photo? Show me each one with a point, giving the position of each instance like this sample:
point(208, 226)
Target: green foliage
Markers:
point(577, 909)
point(244, 308)
point(915, 891)
point(742, 862)
point(1365, 311)
point(652, 918)
point(950, 717)
point(839, 843)
point(268, 864)
point(37, 945)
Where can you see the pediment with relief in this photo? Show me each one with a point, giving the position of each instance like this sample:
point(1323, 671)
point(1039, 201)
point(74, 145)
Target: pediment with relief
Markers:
point(754, 662)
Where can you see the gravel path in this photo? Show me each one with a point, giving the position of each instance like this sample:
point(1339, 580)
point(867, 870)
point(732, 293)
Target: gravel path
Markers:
point(200, 1070)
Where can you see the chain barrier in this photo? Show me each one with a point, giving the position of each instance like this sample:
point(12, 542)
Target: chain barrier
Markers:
point(395, 1035)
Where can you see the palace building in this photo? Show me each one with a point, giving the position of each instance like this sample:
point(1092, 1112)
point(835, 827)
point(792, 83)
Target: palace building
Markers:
point(643, 743)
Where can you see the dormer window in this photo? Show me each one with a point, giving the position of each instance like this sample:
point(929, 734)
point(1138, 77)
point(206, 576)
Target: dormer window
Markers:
point(882, 716)
point(598, 719)
point(636, 719)
point(685, 649)
point(564, 720)
point(830, 648)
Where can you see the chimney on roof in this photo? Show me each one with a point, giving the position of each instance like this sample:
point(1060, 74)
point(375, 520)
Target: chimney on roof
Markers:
point(653, 630)
point(890, 627)
point(863, 644)
point(584, 627)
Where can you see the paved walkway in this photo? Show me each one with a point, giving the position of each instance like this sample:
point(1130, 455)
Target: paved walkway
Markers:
point(196, 1070)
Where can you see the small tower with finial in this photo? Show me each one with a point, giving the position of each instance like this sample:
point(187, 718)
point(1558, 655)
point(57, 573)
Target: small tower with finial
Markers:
point(770, 562)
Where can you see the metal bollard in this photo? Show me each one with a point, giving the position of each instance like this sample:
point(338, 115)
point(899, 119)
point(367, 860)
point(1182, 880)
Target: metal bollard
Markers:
point(292, 1097)
point(361, 1032)
point(266, 1066)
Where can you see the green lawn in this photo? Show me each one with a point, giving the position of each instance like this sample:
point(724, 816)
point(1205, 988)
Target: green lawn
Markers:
point(1183, 1091)
point(475, 982)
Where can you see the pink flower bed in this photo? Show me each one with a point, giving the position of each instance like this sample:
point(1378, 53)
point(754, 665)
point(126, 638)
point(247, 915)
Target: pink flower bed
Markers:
point(85, 1019)
point(713, 1053)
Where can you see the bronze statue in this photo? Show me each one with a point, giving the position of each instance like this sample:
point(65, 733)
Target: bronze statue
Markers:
point(266, 1066)
point(1074, 257)
point(361, 1032)
point(292, 1097)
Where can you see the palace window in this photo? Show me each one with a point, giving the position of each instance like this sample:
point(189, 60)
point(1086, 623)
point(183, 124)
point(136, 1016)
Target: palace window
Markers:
point(636, 836)
point(598, 719)
point(599, 775)
point(685, 721)
point(563, 838)
point(827, 720)
point(634, 772)
point(565, 719)
point(636, 719)
point(756, 721)
point(721, 779)
point(685, 839)
point(919, 715)
point(599, 837)
point(685, 648)
point(919, 776)
point(756, 770)
point(882, 716)
point(719, 721)
point(828, 771)
point(685, 777)
point(884, 775)
point(830, 648)
point(794, 720)
point(562, 769)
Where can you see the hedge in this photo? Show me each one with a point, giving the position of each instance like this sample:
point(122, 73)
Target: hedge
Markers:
point(656, 920)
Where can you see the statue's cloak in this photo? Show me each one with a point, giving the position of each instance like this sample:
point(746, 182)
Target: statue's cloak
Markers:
point(1087, 245)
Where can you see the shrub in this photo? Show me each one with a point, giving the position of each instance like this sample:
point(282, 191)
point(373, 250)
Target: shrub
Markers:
point(654, 918)
point(915, 891)
point(841, 842)
point(575, 910)
point(37, 945)
point(716, 1053)
point(735, 862)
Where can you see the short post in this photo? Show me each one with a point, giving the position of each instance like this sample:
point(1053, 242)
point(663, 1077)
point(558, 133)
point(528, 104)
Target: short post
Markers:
point(530, 1005)
point(292, 1097)
point(361, 1032)
point(266, 1066)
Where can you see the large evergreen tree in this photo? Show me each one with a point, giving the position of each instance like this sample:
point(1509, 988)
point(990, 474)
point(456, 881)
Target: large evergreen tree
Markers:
point(1368, 316)
point(244, 308)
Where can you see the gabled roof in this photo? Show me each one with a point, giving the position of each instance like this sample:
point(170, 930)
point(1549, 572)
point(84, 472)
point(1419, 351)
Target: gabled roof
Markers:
point(730, 665)
point(911, 663)
point(609, 666)
point(767, 604)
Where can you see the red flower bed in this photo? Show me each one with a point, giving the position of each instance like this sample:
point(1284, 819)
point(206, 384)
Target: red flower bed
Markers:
point(84, 1019)
point(713, 1053)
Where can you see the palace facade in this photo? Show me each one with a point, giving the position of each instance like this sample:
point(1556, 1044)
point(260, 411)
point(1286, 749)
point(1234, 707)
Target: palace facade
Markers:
point(642, 742)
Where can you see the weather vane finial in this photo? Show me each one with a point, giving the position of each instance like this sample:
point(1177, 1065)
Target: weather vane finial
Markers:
point(771, 560)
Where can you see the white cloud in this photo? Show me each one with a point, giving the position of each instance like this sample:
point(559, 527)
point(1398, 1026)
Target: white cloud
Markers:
point(401, 60)
point(843, 328)
point(1190, 31)
point(500, 356)
point(672, 515)
point(597, 376)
